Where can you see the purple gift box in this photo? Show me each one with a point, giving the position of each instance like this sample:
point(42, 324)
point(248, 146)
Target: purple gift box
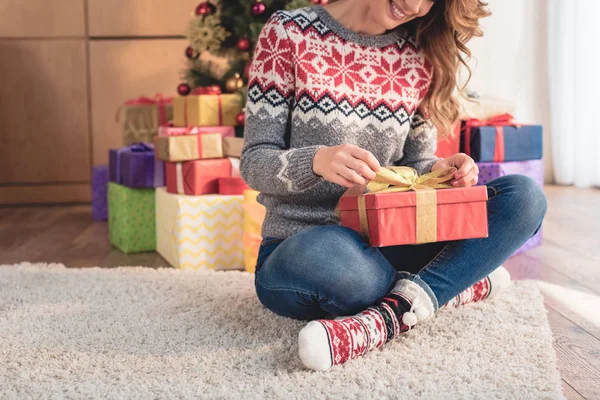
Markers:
point(488, 171)
point(99, 193)
point(135, 166)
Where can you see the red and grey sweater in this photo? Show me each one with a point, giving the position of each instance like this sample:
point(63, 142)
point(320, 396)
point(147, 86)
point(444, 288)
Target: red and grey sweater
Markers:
point(315, 83)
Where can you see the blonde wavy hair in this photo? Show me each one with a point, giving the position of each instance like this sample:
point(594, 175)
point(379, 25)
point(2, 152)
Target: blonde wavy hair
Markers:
point(442, 35)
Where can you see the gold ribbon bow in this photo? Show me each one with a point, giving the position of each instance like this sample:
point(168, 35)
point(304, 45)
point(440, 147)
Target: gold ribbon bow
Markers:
point(404, 179)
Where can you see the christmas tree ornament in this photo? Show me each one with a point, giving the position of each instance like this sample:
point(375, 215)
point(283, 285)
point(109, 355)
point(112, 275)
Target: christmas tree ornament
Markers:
point(258, 8)
point(247, 69)
point(206, 8)
point(191, 54)
point(184, 89)
point(234, 83)
point(243, 44)
point(240, 119)
point(206, 34)
point(321, 2)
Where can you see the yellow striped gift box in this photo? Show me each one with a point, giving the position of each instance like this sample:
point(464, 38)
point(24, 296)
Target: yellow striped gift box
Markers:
point(200, 231)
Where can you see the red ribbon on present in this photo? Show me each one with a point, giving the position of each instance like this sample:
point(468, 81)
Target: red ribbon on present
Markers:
point(158, 99)
point(499, 121)
point(210, 90)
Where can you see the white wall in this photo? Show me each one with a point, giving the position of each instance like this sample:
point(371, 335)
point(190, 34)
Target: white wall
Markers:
point(510, 62)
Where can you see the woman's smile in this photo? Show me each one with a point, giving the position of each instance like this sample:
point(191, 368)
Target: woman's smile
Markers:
point(396, 11)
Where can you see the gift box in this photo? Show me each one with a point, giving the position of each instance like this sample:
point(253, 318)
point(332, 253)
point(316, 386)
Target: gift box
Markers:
point(135, 166)
point(206, 110)
point(449, 145)
point(391, 215)
point(232, 146)
point(142, 117)
point(531, 168)
point(492, 170)
point(483, 107)
point(100, 193)
point(189, 147)
point(501, 139)
point(254, 216)
point(131, 218)
point(197, 177)
point(168, 130)
point(200, 231)
point(232, 186)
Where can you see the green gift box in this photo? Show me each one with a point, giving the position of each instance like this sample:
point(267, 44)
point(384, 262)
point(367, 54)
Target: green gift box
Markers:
point(131, 218)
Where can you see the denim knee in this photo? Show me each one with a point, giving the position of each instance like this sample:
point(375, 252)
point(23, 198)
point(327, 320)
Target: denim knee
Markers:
point(525, 201)
point(342, 266)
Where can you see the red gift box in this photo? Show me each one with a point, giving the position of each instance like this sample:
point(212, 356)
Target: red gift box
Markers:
point(424, 216)
point(450, 145)
point(196, 177)
point(233, 186)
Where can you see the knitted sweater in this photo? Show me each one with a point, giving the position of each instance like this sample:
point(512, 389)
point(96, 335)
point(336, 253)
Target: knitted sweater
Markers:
point(314, 83)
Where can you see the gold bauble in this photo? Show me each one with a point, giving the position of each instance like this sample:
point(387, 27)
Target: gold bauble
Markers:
point(234, 83)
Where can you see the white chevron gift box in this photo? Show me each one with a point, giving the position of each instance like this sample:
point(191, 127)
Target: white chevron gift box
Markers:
point(200, 231)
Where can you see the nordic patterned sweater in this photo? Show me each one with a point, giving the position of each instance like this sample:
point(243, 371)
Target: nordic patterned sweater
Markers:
point(314, 83)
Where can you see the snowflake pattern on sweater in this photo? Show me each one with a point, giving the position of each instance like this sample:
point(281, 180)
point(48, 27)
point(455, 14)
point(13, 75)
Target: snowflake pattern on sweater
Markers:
point(314, 83)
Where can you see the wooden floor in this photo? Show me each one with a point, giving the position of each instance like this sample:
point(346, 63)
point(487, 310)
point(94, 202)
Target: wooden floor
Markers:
point(568, 263)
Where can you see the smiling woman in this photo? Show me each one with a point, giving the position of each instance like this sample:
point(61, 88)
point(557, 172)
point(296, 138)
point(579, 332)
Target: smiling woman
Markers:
point(335, 92)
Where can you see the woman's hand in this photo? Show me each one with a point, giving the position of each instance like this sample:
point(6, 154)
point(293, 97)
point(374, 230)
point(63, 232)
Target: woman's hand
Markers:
point(346, 165)
point(467, 169)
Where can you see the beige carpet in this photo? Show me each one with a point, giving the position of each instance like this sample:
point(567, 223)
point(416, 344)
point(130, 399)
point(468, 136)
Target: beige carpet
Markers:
point(143, 333)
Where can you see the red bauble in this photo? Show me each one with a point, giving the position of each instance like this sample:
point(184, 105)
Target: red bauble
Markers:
point(191, 53)
point(247, 69)
point(205, 8)
point(258, 8)
point(184, 89)
point(243, 44)
point(321, 2)
point(240, 119)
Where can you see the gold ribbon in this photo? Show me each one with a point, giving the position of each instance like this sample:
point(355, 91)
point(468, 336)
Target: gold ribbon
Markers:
point(404, 179)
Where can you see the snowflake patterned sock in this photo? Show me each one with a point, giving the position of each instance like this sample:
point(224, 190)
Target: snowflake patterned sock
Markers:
point(324, 343)
point(487, 288)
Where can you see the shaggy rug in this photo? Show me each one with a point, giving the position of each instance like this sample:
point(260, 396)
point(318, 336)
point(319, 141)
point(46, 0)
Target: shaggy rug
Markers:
point(135, 332)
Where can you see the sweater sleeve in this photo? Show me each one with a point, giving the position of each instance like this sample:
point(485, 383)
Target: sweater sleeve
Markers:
point(420, 145)
point(268, 164)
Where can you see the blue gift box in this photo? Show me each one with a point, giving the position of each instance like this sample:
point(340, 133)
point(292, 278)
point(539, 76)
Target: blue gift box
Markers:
point(520, 143)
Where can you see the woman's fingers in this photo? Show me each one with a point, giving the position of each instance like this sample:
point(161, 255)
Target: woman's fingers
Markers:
point(361, 168)
point(350, 175)
point(469, 179)
point(365, 156)
point(464, 169)
point(340, 180)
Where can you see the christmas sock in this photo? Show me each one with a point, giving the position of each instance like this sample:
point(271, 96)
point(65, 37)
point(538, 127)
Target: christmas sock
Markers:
point(487, 288)
point(324, 343)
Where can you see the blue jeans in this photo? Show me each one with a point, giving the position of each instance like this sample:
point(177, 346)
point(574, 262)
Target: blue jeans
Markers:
point(331, 270)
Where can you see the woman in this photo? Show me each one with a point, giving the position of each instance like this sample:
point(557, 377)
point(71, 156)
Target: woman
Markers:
point(334, 93)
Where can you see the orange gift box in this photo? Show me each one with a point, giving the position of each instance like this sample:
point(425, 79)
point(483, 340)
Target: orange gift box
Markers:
point(197, 177)
point(416, 217)
point(449, 145)
point(233, 186)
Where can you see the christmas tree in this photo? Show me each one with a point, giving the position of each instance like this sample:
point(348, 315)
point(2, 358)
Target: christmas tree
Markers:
point(223, 35)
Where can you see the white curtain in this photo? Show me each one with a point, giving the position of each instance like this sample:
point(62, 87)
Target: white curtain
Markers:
point(574, 73)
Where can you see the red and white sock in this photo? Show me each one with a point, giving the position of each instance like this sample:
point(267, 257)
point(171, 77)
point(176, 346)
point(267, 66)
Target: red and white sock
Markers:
point(487, 288)
point(324, 343)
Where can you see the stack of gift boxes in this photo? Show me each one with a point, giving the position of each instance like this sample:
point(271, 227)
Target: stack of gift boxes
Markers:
point(499, 145)
point(199, 215)
point(179, 192)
